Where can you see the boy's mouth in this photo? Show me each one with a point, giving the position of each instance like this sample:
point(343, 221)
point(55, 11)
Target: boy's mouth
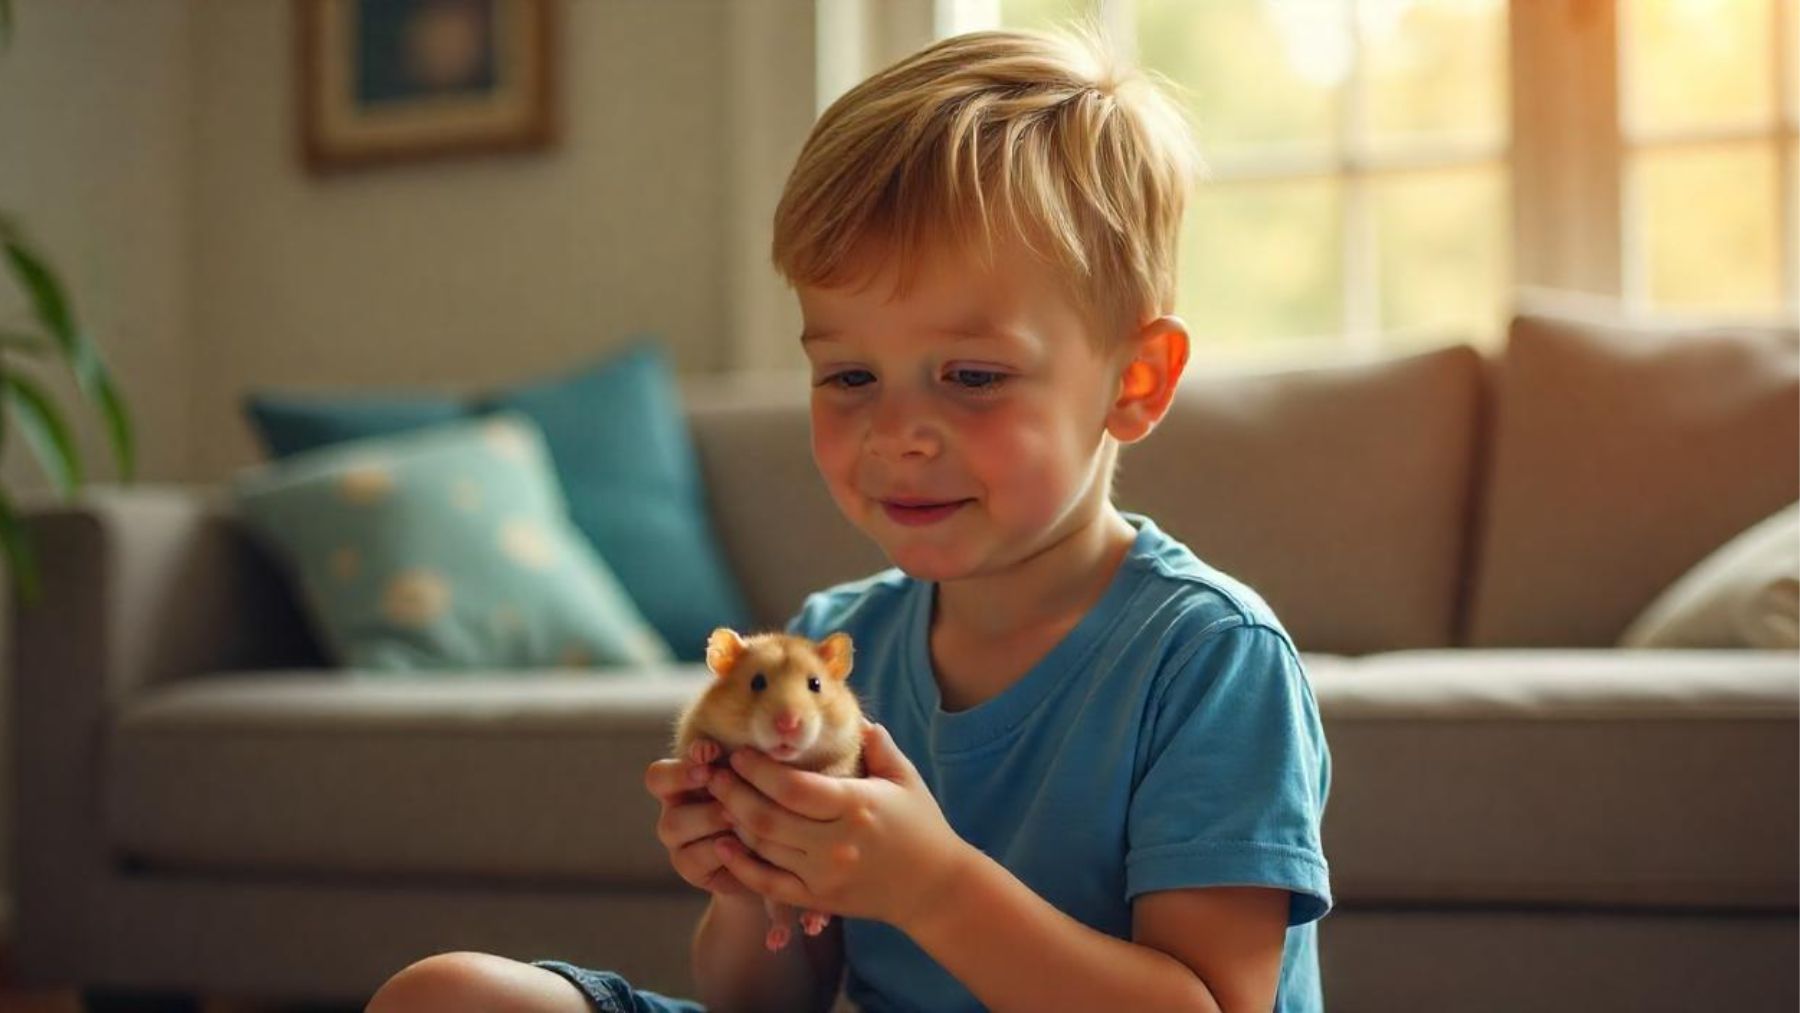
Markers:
point(917, 512)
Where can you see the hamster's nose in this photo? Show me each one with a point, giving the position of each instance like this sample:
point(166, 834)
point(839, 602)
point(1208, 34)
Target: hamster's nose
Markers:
point(787, 723)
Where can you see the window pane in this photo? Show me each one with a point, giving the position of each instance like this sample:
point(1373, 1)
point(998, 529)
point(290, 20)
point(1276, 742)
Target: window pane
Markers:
point(1436, 68)
point(1044, 14)
point(1710, 225)
point(1260, 262)
point(1442, 240)
point(1260, 75)
point(1696, 62)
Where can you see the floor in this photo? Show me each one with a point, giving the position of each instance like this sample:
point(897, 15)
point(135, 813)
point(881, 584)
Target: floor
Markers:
point(15, 999)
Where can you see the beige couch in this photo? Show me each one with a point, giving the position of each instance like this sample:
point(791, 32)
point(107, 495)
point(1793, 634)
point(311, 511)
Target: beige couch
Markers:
point(1522, 816)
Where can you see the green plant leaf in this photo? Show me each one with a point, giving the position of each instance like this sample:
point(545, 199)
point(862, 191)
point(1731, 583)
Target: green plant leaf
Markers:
point(94, 380)
point(41, 286)
point(16, 543)
point(91, 375)
point(42, 426)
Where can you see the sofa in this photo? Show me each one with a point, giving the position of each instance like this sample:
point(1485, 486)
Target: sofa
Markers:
point(1523, 815)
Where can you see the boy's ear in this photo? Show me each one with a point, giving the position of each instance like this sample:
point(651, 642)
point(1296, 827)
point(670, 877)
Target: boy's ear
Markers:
point(723, 649)
point(1148, 375)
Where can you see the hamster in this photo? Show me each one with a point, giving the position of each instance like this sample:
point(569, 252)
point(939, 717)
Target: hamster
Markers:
point(789, 698)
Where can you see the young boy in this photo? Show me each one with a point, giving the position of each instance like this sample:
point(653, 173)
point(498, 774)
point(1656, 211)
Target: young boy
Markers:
point(1096, 772)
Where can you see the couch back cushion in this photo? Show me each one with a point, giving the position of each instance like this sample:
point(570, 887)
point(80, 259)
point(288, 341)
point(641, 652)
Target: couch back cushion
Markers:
point(1339, 492)
point(777, 524)
point(1622, 455)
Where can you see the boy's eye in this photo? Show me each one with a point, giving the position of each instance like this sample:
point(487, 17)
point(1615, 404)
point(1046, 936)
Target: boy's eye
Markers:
point(977, 379)
point(812, 683)
point(758, 684)
point(848, 379)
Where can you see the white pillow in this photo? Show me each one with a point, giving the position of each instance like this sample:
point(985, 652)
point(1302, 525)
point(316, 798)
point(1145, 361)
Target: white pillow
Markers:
point(1746, 594)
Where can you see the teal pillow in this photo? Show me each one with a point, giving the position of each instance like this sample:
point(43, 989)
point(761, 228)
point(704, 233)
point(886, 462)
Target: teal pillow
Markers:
point(443, 548)
point(625, 458)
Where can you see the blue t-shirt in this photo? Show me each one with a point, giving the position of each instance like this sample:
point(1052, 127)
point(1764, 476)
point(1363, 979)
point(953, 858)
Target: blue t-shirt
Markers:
point(1169, 740)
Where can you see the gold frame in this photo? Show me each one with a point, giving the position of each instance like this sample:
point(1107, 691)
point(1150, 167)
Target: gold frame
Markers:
point(335, 135)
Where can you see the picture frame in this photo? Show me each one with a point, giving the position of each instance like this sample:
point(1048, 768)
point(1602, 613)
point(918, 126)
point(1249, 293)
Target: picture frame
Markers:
point(393, 81)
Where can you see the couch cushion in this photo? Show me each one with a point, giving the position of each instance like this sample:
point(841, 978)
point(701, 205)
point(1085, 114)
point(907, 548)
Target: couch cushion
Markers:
point(1340, 493)
point(309, 773)
point(1622, 456)
point(1612, 777)
point(1590, 778)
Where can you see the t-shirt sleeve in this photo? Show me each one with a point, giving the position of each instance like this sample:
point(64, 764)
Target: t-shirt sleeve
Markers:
point(806, 620)
point(1235, 776)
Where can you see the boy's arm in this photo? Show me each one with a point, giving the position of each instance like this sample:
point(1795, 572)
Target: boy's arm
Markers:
point(1016, 951)
point(734, 971)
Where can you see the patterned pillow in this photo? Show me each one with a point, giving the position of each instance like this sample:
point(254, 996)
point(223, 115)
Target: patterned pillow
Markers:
point(620, 445)
point(447, 547)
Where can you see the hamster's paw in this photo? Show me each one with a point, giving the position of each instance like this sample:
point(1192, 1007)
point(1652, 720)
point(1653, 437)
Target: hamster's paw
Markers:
point(778, 937)
point(705, 751)
point(814, 922)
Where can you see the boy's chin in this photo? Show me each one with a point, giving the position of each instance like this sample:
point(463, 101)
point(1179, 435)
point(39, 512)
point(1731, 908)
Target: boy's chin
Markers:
point(922, 563)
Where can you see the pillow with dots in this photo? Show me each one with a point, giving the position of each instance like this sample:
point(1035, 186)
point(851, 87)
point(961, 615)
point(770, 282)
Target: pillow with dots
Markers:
point(445, 548)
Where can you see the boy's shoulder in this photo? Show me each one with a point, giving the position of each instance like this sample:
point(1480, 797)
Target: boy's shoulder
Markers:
point(850, 603)
point(1202, 594)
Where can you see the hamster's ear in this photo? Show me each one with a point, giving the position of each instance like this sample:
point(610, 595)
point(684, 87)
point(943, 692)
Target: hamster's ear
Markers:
point(835, 652)
point(723, 649)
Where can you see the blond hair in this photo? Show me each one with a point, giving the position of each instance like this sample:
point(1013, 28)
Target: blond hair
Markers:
point(1089, 161)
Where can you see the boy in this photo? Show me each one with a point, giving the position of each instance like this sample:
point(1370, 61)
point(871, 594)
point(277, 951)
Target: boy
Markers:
point(1096, 770)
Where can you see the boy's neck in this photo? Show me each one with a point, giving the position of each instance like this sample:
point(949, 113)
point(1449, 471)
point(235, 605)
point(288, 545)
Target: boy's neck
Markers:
point(1063, 579)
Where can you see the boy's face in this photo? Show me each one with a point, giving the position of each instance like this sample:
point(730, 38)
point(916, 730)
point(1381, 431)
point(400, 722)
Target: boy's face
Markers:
point(961, 427)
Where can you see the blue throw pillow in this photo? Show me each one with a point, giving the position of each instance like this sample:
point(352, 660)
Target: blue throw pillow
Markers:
point(625, 458)
point(443, 548)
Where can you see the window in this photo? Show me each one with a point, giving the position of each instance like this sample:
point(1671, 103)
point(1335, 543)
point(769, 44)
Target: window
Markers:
point(1378, 178)
point(1710, 96)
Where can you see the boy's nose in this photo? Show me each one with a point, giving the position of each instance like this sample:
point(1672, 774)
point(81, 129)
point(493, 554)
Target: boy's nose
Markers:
point(899, 430)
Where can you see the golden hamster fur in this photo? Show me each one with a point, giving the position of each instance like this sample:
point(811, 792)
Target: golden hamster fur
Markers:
point(781, 694)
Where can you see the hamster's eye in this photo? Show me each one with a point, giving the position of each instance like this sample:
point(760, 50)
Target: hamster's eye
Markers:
point(812, 683)
point(758, 684)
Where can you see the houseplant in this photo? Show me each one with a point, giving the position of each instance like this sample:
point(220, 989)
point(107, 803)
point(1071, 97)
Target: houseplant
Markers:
point(51, 333)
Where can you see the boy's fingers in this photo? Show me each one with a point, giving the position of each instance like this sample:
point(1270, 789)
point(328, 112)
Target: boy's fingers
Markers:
point(759, 816)
point(758, 875)
point(668, 779)
point(683, 824)
point(815, 796)
point(699, 864)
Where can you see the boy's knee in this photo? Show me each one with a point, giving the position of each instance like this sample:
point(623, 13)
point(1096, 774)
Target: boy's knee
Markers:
point(473, 981)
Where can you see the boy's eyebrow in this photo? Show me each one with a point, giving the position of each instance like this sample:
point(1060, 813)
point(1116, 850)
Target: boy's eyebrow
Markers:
point(962, 332)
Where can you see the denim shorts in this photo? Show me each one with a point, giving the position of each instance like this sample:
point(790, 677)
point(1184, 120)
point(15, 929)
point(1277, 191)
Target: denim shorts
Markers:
point(609, 993)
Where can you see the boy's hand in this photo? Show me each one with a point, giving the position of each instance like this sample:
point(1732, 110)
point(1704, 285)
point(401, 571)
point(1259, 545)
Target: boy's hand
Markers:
point(875, 847)
point(690, 820)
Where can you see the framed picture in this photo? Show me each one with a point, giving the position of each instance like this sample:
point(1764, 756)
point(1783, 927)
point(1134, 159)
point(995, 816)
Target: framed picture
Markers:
point(385, 81)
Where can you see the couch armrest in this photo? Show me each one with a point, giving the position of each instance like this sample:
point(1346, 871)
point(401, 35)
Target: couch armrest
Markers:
point(148, 584)
point(141, 585)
